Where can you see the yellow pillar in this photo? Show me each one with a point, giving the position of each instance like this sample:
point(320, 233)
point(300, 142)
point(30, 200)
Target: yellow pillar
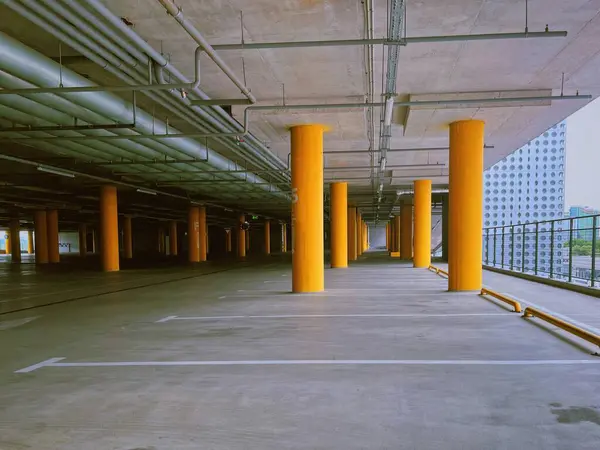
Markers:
point(161, 240)
point(283, 238)
point(7, 240)
point(366, 237)
point(207, 241)
point(193, 236)
point(268, 237)
point(173, 238)
point(466, 197)
point(248, 241)
point(30, 242)
point(15, 247)
point(228, 240)
point(82, 239)
point(422, 230)
point(387, 236)
point(241, 241)
point(41, 238)
point(52, 230)
point(338, 217)
point(202, 232)
point(352, 253)
point(406, 238)
point(308, 271)
point(358, 233)
point(397, 233)
point(109, 229)
point(127, 238)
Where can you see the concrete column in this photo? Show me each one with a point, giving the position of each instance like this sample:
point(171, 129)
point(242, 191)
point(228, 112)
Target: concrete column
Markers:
point(109, 229)
point(406, 238)
point(352, 252)
point(173, 238)
point(422, 230)
point(445, 227)
point(82, 239)
point(41, 238)
point(193, 235)
point(52, 230)
point(127, 238)
point(338, 217)
point(202, 232)
point(241, 241)
point(466, 197)
point(267, 237)
point(15, 242)
point(95, 240)
point(30, 242)
point(308, 271)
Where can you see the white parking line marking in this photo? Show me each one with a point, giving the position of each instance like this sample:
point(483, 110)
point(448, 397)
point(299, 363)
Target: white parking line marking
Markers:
point(7, 324)
point(39, 365)
point(312, 316)
point(166, 319)
point(399, 362)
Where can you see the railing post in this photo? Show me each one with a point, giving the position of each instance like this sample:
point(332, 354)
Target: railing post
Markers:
point(523, 250)
point(512, 247)
point(502, 250)
point(487, 246)
point(495, 230)
point(537, 239)
point(593, 277)
point(571, 221)
point(551, 249)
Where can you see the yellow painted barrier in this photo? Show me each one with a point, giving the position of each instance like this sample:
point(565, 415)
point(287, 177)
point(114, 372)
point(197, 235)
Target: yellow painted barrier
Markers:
point(438, 271)
point(395, 254)
point(569, 327)
point(515, 304)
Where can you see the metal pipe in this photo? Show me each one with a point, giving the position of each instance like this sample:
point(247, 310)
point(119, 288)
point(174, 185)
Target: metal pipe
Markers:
point(89, 176)
point(41, 70)
point(109, 126)
point(177, 14)
point(387, 42)
point(416, 103)
point(397, 166)
point(108, 88)
point(393, 150)
point(215, 116)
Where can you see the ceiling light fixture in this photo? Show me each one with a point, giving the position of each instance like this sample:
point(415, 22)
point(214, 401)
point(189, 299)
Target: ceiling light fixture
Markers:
point(54, 171)
point(389, 109)
point(146, 191)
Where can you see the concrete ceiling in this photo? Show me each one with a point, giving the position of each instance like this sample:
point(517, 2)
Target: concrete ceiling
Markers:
point(519, 67)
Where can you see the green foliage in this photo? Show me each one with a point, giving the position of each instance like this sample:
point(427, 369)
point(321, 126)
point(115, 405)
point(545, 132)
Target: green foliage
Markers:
point(583, 247)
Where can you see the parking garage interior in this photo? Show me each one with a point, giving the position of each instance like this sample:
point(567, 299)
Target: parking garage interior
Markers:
point(236, 225)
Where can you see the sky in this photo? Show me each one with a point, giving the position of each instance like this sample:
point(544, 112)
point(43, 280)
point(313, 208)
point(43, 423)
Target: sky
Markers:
point(582, 177)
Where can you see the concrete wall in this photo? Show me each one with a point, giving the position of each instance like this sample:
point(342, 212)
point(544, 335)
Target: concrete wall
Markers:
point(377, 236)
point(68, 242)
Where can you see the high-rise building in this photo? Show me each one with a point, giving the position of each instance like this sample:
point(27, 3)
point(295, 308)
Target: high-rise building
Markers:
point(585, 224)
point(527, 186)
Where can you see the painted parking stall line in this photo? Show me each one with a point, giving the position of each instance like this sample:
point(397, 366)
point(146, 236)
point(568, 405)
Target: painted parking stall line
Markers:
point(57, 363)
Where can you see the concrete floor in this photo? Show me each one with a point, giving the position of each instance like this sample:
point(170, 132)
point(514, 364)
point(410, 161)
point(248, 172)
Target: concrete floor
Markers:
point(384, 359)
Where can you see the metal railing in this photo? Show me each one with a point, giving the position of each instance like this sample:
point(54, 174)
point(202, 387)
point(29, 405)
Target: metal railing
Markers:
point(561, 249)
